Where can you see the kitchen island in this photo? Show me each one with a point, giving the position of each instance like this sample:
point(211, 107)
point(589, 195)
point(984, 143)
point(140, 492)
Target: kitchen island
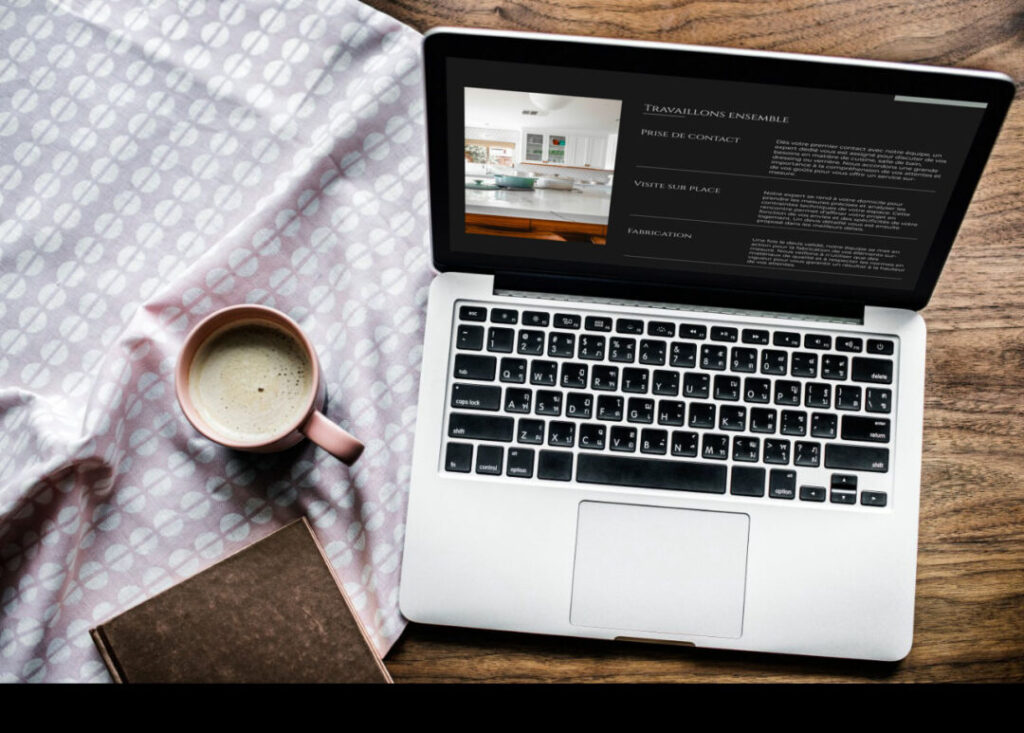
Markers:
point(540, 213)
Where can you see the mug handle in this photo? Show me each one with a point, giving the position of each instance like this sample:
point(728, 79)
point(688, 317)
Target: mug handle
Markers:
point(332, 438)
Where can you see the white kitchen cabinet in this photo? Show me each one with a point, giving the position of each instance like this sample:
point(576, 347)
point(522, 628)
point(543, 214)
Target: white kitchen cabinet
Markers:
point(578, 150)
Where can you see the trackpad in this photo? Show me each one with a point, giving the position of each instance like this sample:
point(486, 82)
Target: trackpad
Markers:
point(656, 569)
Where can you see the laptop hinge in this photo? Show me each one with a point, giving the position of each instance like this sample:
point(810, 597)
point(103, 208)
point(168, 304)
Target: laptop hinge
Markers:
point(621, 292)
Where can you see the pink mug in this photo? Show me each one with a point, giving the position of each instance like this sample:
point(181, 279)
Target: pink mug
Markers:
point(312, 423)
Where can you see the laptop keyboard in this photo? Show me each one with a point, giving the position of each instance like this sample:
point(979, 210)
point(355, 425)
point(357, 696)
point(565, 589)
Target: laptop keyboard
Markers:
point(577, 396)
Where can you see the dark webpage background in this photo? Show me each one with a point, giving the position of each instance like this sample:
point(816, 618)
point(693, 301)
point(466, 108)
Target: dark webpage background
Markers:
point(718, 233)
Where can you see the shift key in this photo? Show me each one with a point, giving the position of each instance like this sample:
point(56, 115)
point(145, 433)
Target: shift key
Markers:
point(481, 427)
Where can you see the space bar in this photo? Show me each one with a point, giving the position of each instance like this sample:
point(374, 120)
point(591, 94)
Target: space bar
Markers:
point(650, 474)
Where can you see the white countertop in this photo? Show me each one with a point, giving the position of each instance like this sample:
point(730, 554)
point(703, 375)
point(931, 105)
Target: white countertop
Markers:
point(587, 207)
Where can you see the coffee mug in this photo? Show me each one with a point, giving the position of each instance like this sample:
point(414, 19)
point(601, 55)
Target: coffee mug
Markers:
point(249, 379)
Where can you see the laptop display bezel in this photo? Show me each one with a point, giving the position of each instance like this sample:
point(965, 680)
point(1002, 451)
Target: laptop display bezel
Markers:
point(995, 90)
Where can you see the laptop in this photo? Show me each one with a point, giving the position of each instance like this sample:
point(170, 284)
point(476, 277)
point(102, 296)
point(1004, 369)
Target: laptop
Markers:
point(673, 369)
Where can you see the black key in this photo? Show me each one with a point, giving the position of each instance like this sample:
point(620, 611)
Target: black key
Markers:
point(592, 437)
point(481, 368)
point(650, 473)
point(747, 481)
point(554, 465)
point(470, 338)
point(868, 429)
point(684, 443)
point(665, 383)
point(782, 484)
point(692, 331)
point(774, 362)
point(653, 441)
point(579, 405)
point(713, 357)
point(724, 333)
point(623, 439)
point(458, 457)
point(702, 415)
point(757, 390)
point(574, 375)
point(518, 400)
point(715, 446)
point(622, 349)
point(872, 498)
point(823, 425)
point(489, 459)
point(634, 380)
point(847, 397)
point(476, 397)
point(805, 365)
point(561, 434)
point(833, 366)
point(609, 407)
point(878, 346)
point(683, 355)
point(591, 347)
point(504, 315)
point(640, 410)
point(561, 344)
point(598, 323)
point(762, 420)
point(818, 395)
point(727, 387)
point(856, 458)
point(543, 372)
point(652, 352)
point(755, 336)
point(629, 325)
point(786, 338)
point(732, 418)
point(696, 386)
point(481, 427)
point(671, 412)
point(844, 497)
point(535, 318)
point(878, 371)
point(661, 328)
point(604, 377)
point(849, 343)
point(746, 449)
point(787, 393)
point(776, 451)
point(744, 360)
point(794, 422)
point(531, 342)
point(520, 462)
point(807, 454)
point(531, 431)
point(817, 341)
point(878, 400)
point(512, 370)
point(548, 403)
point(567, 320)
point(843, 481)
point(472, 313)
point(812, 493)
point(500, 339)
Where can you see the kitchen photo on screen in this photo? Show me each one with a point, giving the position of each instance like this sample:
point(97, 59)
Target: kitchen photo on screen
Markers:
point(539, 166)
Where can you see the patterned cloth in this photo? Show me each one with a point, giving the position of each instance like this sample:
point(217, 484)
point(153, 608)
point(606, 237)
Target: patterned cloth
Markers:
point(160, 160)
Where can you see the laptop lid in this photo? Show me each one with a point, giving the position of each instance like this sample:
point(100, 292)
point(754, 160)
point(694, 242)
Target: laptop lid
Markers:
point(701, 175)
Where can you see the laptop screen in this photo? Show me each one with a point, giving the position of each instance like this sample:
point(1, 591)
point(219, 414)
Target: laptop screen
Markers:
point(682, 173)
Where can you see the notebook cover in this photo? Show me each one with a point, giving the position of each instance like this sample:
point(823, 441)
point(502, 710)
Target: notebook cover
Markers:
point(272, 612)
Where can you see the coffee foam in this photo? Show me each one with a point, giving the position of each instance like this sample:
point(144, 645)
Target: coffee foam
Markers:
point(250, 382)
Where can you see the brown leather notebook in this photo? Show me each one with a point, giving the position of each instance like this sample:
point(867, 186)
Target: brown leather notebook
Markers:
point(272, 612)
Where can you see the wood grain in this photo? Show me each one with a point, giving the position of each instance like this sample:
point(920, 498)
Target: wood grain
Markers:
point(969, 623)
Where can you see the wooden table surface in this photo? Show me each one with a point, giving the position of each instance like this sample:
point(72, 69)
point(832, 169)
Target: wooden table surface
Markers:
point(969, 621)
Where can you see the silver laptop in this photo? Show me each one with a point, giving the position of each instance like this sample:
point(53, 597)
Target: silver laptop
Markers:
point(673, 369)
